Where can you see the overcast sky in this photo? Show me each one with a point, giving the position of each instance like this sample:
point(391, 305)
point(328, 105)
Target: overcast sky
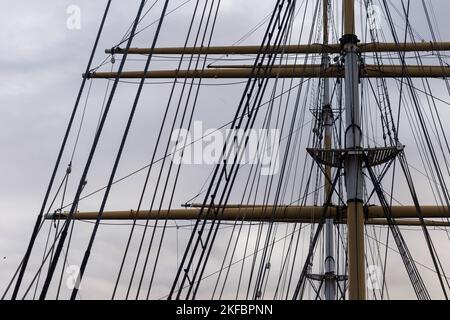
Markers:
point(42, 60)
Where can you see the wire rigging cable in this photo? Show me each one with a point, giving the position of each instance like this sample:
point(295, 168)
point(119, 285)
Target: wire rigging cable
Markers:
point(141, 243)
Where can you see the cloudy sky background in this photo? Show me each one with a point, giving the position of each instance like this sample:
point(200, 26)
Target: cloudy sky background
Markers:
point(42, 61)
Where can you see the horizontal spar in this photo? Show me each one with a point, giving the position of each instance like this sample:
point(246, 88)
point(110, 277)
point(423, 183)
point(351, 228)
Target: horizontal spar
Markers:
point(306, 214)
point(295, 49)
point(308, 71)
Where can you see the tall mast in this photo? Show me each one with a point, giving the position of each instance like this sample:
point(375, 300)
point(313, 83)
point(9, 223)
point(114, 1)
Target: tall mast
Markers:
point(353, 162)
point(330, 274)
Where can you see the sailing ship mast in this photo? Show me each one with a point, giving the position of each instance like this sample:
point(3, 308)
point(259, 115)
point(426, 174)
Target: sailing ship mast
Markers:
point(352, 156)
point(352, 159)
